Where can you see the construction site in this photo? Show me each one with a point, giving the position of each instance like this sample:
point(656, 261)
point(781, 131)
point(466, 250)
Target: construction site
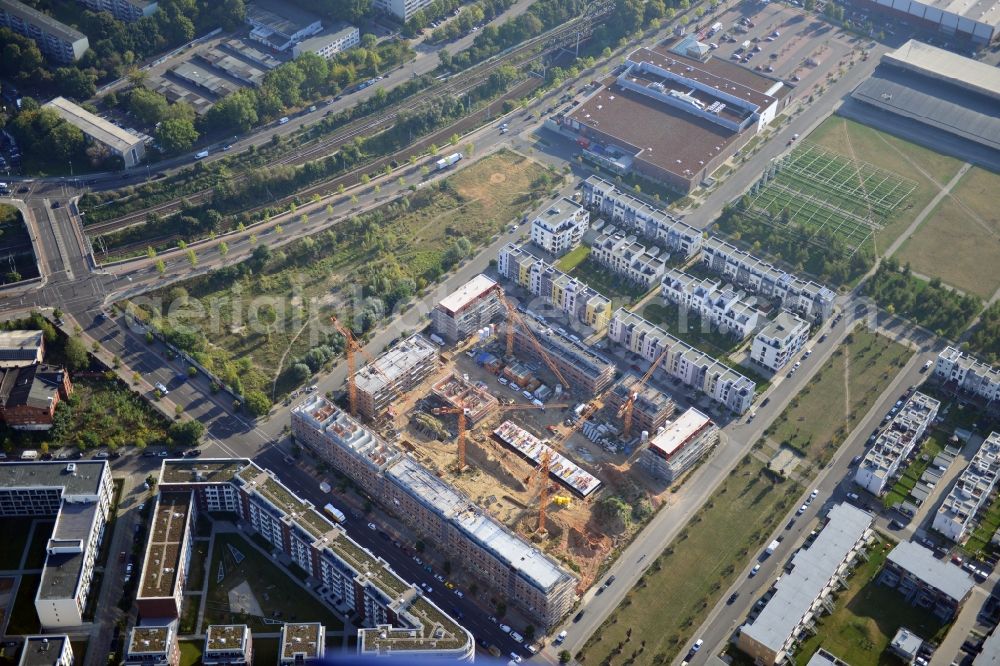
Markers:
point(538, 430)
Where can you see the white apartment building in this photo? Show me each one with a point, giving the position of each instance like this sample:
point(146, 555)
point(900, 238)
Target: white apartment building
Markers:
point(957, 514)
point(629, 211)
point(401, 9)
point(968, 373)
point(682, 361)
point(330, 41)
point(78, 495)
point(569, 295)
point(779, 341)
point(123, 10)
point(723, 307)
point(51, 650)
point(55, 39)
point(559, 227)
point(677, 446)
point(807, 298)
point(228, 645)
point(467, 309)
point(631, 260)
point(895, 443)
point(802, 596)
point(153, 645)
point(126, 145)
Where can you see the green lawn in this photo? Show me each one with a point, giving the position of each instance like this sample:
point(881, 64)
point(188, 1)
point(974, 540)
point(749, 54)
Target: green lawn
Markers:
point(39, 541)
point(981, 537)
point(933, 445)
point(682, 585)
point(279, 595)
point(818, 419)
point(573, 258)
point(191, 652)
point(15, 532)
point(23, 618)
point(866, 618)
point(695, 332)
point(621, 292)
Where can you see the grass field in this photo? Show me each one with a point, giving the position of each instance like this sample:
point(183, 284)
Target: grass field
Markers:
point(960, 241)
point(15, 532)
point(573, 258)
point(682, 585)
point(23, 618)
point(621, 292)
point(839, 395)
point(711, 341)
point(866, 618)
point(933, 445)
point(191, 652)
point(980, 540)
point(407, 241)
point(278, 595)
point(928, 170)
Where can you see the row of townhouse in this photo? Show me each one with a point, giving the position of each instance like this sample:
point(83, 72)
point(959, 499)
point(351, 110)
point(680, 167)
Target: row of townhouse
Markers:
point(682, 361)
point(559, 227)
point(968, 374)
point(805, 297)
point(926, 581)
point(723, 307)
point(558, 290)
point(802, 596)
point(895, 443)
point(508, 566)
point(346, 575)
point(629, 259)
point(957, 513)
point(625, 209)
point(78, 495)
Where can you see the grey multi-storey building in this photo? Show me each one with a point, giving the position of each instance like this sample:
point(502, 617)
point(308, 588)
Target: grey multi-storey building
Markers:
point(59, 42)
point(467, 309)
point(123, 10)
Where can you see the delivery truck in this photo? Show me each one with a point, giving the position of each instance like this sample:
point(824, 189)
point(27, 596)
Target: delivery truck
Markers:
point(446, 162)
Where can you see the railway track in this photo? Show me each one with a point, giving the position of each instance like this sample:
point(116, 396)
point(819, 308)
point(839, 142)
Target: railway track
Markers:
point(520, 55)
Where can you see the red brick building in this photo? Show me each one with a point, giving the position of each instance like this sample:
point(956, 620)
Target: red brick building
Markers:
point(29, 395)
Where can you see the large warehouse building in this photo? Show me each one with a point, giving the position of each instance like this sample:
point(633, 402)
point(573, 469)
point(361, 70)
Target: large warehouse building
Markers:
point(673, 115)
point(935, 97)
point(975, 20)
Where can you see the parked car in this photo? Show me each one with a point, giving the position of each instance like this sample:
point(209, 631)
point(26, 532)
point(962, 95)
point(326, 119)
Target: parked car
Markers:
point(753, 572)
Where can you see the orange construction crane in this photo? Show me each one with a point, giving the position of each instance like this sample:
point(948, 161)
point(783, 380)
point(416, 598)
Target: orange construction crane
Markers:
point(351, 345)
point(625, 413)
point(462, 413)
point(514, 317)
point(546, 461)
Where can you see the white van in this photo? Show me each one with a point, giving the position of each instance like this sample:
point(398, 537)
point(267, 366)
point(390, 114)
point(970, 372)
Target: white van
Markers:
point(283, 120)
point(29, 455)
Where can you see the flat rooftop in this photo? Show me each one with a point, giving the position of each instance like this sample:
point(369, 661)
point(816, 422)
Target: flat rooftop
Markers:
point(336, 32)
point(678, 434)
point(529, 563)
point(282, 17)
point(42, 650)
point(342, 430)
point(938, 574)
point(812, 569)
point(305, 638)
point(562, 468)
point(455, 391)
point(394, 364)
point(782, 326)
point(149, 640)
point(19, 348)
point(256, 479)
point(94, 126)
point(948, 66)
point(166, 542)
point(84, 480)
point(468, 293)
point(187, 470)
point(226, 636)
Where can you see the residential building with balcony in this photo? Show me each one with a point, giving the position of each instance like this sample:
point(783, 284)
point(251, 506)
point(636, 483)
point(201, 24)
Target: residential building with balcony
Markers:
point(682, 361)
point(725, 308)
point(804, 297)
point(559, 227)
point(567, 294)
point(79, 496)
point(629, 259)
point(895, 443)
point(803, 595)
point(968, 374)
point(51, 650)
point(467, 309)
point(781, 339)
point(343, 574)
point(228, 645)
point(676, 447)
point(394, 372)
point(501, 561)
point(585, 370)
point(651, 407)
point(59, 42)
point(627, 210)
point(956, 516)
point(925, 581)
point(153, 645)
